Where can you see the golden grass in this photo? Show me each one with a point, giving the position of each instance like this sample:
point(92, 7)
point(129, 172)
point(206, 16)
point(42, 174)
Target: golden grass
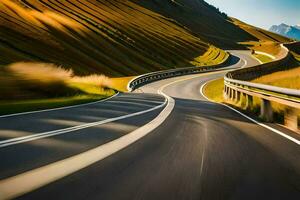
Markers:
point(43, 72)
point(39, 19)
point(261, 34)
point(296, 56)
point(121, 83)
point(116, 39)
point(263, 58)
point(28, 86)
point(213, 56)
point(269, 47)
point(100, 81)
point(27, 80)
point(214, 90)
point(286, 79)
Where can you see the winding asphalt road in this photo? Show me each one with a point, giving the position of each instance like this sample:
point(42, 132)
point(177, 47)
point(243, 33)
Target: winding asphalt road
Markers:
point(199, 150)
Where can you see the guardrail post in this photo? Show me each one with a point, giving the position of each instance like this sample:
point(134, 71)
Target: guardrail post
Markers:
point(291, 119)
point(237, 96)
point(266, 111)
point(232, 94)
point(249, 101)
point(225, 92)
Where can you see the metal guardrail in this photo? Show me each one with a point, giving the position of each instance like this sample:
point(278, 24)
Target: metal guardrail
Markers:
point(269, 88)
point(155, 76)
point(237, 84)
point(240, 77)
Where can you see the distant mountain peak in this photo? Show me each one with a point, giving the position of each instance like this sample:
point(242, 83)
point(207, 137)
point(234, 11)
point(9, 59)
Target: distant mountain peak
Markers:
point(283, 24)
point(287, 30)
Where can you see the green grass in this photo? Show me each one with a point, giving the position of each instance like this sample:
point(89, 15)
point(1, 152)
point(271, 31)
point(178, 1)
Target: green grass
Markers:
point(40, 104)
point(289, 78)
point(263, 58)
point(296, 56)
point(269, 47)
point(213, 56)
point(89, 93)
point(121, 83)
point(214, 90)
point(35, 86)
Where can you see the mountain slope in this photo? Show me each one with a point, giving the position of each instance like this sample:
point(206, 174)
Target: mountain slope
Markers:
point(117, 37)
point(202, 19)
point(286, 30)
point(261, 34)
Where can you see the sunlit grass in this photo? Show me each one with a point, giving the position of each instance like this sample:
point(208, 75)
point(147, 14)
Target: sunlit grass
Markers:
point(10, 107)
point(32, 86)
point(269, 47)
point(286, 79)
point(214, 90)
point(263, 58)
point(121, 83)
point(93, 37)
point(213, 56)
point(261, 34)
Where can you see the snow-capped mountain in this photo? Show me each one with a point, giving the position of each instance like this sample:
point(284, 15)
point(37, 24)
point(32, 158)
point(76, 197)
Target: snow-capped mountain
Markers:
point(286, 30)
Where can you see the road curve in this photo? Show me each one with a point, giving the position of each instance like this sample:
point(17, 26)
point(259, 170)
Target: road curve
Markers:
point(203, 150)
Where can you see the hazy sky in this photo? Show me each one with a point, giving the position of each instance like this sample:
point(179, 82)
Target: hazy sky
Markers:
point(262, 13)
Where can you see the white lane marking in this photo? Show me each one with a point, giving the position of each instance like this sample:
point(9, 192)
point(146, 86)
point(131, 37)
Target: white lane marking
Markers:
point(249, 118)
point(61, 108)
point(141, 101)
point(246, 63)
point(29, 181)
point(37, 136)
point(203, 152)
point(266, 54)
point(260, 62)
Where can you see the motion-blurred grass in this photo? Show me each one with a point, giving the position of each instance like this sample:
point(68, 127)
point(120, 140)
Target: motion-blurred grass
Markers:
point(289, 78)
point(29, 86)
point(263, 58)
point(214, 91)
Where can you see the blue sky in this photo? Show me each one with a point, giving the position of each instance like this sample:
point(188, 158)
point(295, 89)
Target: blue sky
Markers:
point(262, 13)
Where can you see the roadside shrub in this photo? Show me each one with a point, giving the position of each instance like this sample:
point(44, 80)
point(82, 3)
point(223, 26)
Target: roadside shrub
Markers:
point(26, 80)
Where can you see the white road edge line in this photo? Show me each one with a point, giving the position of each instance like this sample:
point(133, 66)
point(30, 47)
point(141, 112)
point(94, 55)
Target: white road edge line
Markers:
point(266, 54)
point(61, 108)
point(31, 180)
point(260, 62)
point(249, 118)
point(37, 136)
point(246, 63)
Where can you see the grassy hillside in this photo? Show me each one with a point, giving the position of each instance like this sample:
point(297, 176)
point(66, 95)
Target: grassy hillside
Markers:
point(202, 20)
point(117, 37)
point(111, 37)
point(266, 41)
point(288, 78)
point(261, 34)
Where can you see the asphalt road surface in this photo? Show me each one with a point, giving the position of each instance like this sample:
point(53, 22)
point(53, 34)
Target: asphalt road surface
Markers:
point(201, 150)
